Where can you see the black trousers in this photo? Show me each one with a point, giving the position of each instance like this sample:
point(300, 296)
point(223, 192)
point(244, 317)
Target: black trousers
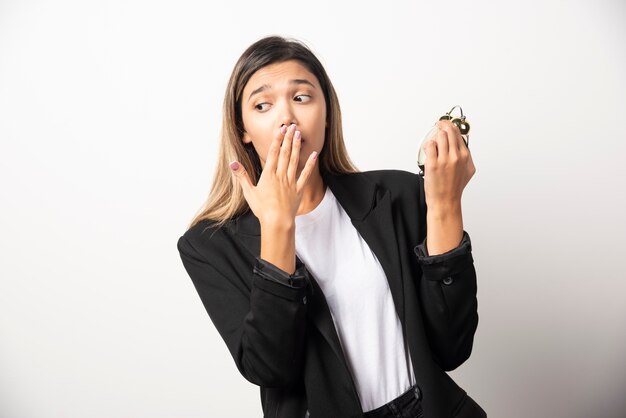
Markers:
point(407, 405)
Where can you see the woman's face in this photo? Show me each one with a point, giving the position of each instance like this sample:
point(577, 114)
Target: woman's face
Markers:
point(283, 93)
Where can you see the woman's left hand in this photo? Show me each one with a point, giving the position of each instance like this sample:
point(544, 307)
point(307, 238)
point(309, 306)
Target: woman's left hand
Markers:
point(448, 166)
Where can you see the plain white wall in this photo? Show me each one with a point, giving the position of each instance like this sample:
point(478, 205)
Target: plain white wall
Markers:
point(109, 119)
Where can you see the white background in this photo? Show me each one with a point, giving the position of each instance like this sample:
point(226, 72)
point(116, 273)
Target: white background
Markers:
point(109, 120)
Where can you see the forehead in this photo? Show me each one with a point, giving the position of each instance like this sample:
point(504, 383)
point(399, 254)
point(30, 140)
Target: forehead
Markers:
point(280, 73)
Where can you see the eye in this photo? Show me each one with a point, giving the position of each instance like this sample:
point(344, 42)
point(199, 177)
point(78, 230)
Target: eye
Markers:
point(260, 104)
point(304, 95)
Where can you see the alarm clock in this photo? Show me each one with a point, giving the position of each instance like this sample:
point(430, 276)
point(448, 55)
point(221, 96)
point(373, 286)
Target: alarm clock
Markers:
point(459, 121)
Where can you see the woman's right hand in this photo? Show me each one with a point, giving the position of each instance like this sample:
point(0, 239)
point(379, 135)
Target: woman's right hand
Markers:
point(276, 197)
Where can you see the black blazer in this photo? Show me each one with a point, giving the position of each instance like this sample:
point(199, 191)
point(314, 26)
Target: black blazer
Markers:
point(279, 329)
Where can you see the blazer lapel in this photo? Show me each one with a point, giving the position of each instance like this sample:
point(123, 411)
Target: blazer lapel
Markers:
point(369, 208)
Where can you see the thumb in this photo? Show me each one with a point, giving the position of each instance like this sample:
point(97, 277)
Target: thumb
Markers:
point(242, 175)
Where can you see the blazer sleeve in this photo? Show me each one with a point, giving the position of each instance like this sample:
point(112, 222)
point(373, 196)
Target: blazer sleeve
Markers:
point(263, 326)
point(448, 298)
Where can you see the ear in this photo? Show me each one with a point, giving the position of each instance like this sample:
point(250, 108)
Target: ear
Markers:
point(246, 138)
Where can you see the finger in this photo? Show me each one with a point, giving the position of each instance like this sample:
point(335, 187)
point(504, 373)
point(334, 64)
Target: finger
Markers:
point(442, 143)
point(454, 136)
point(430, 149)
point(463, 148)
point(272, 154)
point(306, 171)
point(295, 157)
point(464, 145)
point(285, 151)
point(242, 177)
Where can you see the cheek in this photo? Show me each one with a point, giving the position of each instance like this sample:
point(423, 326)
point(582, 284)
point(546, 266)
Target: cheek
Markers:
point(255, 129)
point(322, 123)
point(262, 140)
point(324, 116)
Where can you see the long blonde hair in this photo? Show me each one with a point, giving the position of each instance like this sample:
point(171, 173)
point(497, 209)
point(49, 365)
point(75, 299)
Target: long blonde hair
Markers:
point(226, 200)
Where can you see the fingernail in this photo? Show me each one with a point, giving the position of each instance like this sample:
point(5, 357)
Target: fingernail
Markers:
point(234, 166)
point(283, 129)
point(314, 155)
point(292, 127)
point(297, 135)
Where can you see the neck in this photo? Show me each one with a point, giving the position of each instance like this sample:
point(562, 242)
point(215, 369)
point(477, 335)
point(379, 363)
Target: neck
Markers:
point(313, 192)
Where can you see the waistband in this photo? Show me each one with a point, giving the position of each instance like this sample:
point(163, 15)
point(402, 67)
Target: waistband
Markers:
point(411, 399)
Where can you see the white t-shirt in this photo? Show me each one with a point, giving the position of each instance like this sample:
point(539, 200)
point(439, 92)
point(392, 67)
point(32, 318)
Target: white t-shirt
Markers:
point(357, 293)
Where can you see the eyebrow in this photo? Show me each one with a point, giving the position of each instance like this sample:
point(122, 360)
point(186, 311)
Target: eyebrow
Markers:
point(297, 81)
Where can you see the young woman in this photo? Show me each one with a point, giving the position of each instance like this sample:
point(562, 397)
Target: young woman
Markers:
point(321, 279)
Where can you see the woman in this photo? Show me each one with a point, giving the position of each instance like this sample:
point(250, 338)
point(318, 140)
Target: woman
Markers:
point(321, 279)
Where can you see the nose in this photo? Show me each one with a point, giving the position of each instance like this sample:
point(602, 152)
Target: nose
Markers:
point(288, 117)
